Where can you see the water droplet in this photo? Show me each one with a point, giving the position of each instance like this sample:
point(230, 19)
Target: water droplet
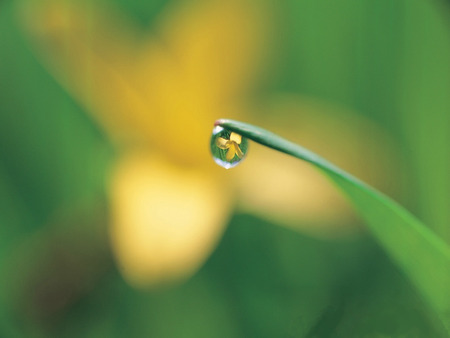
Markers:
point(228, 148)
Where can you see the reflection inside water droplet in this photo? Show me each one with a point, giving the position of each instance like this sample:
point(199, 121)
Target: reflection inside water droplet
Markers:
point(228, 148)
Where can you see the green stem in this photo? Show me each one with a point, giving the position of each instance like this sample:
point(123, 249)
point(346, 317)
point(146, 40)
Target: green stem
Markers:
point(419, 252)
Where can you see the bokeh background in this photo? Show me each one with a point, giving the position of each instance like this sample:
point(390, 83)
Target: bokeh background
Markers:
point(115, 221)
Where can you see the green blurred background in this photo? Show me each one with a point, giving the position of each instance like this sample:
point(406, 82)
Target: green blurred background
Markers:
point(386, 61)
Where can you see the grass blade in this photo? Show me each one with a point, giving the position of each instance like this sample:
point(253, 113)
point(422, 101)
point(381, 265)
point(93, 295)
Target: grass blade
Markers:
point(421, 254)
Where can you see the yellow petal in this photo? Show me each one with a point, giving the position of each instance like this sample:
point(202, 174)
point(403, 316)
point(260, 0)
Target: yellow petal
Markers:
point(231, 152)
point(223, 143)
point(165, 220)
point(210, 52)
point(239, 152)
point(294, 193)
point(289, 192)
point(92, 56)
point(236, 138)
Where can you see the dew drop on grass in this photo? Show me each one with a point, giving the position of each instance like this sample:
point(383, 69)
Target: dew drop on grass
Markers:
point(228, 148)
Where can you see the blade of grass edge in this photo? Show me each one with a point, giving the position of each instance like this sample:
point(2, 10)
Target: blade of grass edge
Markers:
point(422, 255)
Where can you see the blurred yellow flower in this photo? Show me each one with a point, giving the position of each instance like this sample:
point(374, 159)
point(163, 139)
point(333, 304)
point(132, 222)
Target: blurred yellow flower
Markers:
point(158, 94)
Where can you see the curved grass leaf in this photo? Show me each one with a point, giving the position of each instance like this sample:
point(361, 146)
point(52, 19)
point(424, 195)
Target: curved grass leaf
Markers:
point(422, 255)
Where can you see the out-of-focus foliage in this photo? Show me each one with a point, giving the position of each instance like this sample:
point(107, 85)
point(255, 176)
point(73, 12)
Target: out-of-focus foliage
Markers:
point(386, 61)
